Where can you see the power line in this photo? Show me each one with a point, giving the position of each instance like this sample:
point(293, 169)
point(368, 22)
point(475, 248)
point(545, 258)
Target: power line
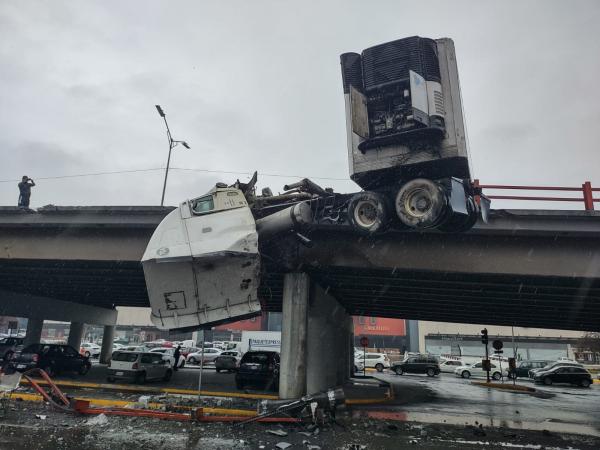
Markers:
point(93, 174)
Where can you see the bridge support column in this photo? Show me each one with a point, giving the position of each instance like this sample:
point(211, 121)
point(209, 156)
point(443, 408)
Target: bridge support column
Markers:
point(107, 343)
point(412, 332)
point(329, 329)
point(75, 335)
point(34, 331)
point(294, 324)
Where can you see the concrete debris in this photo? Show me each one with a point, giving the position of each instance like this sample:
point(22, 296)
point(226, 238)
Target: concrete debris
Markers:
point(355, 447)
point(41, 416)
point(305, 433)
point(283, 445)
point(144, 400)
point(99, 420)
point(313, 447)
point(277, 432)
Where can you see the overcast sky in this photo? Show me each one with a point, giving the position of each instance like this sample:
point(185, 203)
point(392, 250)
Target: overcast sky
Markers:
point(257, 85)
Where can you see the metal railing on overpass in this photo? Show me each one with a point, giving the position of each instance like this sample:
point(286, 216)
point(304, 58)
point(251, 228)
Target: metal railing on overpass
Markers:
point(586, 190)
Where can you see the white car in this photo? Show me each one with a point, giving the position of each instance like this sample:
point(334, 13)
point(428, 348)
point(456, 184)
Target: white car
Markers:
point(169, 355)
point(90, 350)
point(449, 365)
point(210, 354)
point(378, 361)
point(476, 370)
point(138, 367)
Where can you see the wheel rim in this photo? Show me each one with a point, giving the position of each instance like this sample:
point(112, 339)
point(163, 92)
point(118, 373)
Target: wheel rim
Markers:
point(418, 203)
point(365, 213)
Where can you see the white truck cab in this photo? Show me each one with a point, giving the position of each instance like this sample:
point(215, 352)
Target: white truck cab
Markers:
point(202, 264)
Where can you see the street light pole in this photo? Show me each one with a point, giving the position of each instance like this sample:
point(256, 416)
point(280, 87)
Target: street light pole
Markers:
point(172, 143)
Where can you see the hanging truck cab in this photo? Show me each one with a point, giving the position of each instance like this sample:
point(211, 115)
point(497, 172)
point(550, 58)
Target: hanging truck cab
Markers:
point(202, 263)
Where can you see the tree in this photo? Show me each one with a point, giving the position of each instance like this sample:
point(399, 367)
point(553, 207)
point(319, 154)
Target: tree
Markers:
point(590, 342)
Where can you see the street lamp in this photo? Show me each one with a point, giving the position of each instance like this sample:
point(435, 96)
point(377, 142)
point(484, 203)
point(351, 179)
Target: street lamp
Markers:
point(172, 143)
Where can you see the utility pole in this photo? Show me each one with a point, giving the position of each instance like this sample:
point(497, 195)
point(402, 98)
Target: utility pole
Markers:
point(172, 143)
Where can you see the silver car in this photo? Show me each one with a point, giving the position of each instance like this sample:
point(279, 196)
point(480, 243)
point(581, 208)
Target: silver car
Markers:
point(228, 360)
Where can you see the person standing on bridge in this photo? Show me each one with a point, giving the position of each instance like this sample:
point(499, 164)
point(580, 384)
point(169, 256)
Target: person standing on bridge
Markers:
point(25, 191)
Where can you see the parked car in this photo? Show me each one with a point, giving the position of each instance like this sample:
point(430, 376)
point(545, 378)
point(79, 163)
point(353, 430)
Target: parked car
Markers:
point(185, 351)
point(552, 365)
point(418, 364)
point(9, 345)
point(134, 348)
point(564, 374)
point(476, 370)
point(52, 358)
point(169, 354)
point(449, 365)
point(90, 350)
point(138, 367)
point(227, 360)
point(258, 368)
point(378, 361)
point(210, 354)
point(523, 368)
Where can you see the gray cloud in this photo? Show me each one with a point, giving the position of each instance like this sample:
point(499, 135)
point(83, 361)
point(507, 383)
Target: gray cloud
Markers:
point(257, 86)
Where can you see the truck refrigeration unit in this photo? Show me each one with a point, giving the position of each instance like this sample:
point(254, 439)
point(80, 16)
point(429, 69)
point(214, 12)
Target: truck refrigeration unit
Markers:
point(406, 139)
point(406, 149)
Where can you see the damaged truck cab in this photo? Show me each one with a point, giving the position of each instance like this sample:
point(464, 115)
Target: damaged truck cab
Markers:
point(202, 264)
point(406, 138)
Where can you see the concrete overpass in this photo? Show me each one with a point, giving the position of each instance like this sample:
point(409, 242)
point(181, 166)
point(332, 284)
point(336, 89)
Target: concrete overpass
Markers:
point(526, 268)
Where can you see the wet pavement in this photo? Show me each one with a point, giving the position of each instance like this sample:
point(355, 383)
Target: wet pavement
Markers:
point(448, 399)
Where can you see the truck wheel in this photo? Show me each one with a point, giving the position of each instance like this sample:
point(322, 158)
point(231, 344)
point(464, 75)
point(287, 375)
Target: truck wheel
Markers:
point(368, 212)
point(420, 203)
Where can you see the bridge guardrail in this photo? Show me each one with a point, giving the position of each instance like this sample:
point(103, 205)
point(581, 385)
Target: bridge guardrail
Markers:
point(586, 190)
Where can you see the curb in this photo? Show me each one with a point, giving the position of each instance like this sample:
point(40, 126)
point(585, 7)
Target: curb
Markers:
point(506, 387)
point(102, 402)
point(149, 389)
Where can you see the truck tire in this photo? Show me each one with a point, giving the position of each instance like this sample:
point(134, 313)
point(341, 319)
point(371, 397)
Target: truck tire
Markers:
point(458, 223)
point(368, 212)
point(421, 203)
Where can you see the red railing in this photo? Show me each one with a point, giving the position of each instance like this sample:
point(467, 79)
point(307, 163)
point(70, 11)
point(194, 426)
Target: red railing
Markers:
point(586, 190)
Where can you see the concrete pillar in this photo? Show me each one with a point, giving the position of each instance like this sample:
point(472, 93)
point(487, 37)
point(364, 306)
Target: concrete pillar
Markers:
point(412, 333)
point(292, 377)
point(75, 335)
point(107, 343)
point(34, 331)
point(329, 326)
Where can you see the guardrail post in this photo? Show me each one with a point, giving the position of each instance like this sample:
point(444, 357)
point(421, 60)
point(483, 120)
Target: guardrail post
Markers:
point(588, 198)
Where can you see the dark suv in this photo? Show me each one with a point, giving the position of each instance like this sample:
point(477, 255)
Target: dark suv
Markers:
point(418, 364)
point(9, 345)
point(523, 368)
point(52, 358)
point(258, 368)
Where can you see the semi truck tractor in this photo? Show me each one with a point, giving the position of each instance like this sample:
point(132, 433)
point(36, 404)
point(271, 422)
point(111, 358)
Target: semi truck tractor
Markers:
point(406, 149)
point(406, 137)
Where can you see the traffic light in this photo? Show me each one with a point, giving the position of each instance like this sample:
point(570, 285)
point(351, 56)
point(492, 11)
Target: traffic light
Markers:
point(484, 336)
